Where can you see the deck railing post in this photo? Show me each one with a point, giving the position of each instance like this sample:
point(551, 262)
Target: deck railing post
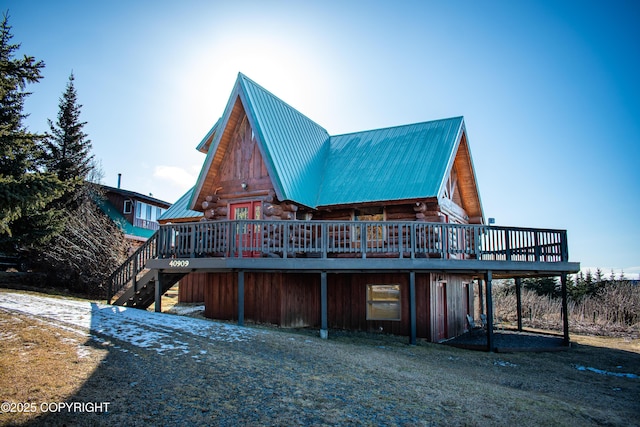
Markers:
point(363, 239)
point(134, 276)
point(564, 247)
point(324, 230)
point(536, 243)
point(285, 241)
point(192, 246)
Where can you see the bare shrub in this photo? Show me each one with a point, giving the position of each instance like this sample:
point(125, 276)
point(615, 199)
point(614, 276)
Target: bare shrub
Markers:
point(615, 310)
point(87, 251)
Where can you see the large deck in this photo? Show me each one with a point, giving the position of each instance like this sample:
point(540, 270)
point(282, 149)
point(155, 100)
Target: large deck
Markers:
point(485, 252)
point(354, 245)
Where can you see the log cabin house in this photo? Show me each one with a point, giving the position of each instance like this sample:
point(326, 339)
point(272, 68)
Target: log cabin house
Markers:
point(380, 230)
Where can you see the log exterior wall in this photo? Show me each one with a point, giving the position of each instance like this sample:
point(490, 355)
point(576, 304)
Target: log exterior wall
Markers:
point(293, 300)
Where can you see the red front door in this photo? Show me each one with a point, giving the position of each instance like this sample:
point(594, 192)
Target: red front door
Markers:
point(247, 235)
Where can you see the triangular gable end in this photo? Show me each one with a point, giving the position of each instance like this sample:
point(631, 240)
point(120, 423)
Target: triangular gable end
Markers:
point(222, 135)
point(233, 158)
point(459, 187)
point(289, 143)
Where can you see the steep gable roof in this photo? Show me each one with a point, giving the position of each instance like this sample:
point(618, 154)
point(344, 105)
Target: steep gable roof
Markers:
point(403, 162)
point(290, 143)
point(311, 168)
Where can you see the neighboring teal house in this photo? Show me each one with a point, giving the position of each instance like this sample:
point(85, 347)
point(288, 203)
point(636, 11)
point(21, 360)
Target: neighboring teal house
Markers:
point(136, 214)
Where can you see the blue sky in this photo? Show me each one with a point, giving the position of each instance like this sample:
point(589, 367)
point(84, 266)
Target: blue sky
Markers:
point(549, 91)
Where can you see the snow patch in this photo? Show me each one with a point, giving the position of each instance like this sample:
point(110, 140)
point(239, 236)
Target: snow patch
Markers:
point(154, 331)
point(603, 372)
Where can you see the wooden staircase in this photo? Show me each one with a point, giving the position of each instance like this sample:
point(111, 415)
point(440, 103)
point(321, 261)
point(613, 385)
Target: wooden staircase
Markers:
point(134, 285)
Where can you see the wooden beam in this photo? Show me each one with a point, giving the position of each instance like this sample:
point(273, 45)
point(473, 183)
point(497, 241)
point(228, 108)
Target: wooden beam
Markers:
point(324, 330)
point(240, 298)
point(159, 277)
point(412, 307)
point(565, 311)
point(480, 296)
point(519, 301)
point(489, 278)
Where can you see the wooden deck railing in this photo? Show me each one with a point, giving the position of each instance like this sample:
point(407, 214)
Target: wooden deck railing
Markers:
point(326, 239)
point(134, 265)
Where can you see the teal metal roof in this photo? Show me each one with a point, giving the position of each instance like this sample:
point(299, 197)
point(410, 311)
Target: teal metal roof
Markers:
point(294, 145)
point(180, 209)
point(122, 223)
point(403, 162)
point(312, 168)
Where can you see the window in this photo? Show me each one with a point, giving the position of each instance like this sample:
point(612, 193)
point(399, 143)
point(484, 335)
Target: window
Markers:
point(383, 302)
point(128, 206)
point(375, 233)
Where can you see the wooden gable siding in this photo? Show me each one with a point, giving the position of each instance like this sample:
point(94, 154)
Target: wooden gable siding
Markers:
point(208, 187)
point(241, 162)
point(464, 200)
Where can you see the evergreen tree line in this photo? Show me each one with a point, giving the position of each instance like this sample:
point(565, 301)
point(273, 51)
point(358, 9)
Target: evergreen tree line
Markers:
point(579, 287)
point(47, 208)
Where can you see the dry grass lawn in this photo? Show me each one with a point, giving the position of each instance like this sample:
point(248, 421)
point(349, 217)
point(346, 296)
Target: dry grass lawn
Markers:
point(42, 363)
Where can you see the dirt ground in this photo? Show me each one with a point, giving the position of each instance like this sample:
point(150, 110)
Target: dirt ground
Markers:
point(291, 377)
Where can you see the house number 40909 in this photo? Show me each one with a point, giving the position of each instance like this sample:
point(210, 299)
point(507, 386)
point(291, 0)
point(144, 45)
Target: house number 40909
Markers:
point(179, 263)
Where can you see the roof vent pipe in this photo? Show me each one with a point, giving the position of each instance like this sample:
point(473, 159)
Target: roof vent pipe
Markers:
point(119, 179)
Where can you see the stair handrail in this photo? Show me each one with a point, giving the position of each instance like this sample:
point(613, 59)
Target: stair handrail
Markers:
point(132, 266)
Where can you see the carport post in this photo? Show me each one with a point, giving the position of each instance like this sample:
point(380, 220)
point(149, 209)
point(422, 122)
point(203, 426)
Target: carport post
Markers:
point(158, 282)
point(412, 306)
point(324, 330)
point(240, 298)
point(480, 295)
point(519, 302)
point(565, 310)
point(489, 277)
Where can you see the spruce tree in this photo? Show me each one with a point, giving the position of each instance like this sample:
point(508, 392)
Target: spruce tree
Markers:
point(67, 147)
point(25, 190)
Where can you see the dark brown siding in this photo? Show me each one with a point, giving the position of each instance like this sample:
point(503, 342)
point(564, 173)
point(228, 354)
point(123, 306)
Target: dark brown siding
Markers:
point(293, 300)
point(300, 300)
point(347, 307)
point(191, 288)
point(221, 296)
point(262, 299)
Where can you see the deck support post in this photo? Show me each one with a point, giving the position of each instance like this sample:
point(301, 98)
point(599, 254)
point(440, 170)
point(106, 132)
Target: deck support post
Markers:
point(489, 278)
point(324, 330)
point(412, 307)
point(240, 298)
point(519, 302)
point(158, 279)
point(480, 296)
point(565, 310)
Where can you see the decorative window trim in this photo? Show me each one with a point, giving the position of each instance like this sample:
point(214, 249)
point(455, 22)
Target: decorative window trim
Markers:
point(384, 302)
point(128, 206)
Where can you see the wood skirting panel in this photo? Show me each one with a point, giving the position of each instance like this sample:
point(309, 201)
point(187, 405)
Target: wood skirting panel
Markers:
point(293, 300)
point(191, 288)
